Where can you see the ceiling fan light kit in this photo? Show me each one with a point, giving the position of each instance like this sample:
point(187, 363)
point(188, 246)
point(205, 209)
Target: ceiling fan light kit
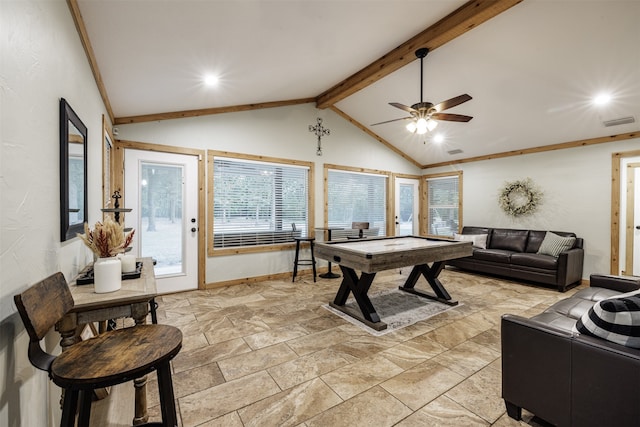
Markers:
point(422, 126)
point(425, 115)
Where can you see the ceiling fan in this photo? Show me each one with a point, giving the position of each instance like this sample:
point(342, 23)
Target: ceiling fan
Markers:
point(424, 115)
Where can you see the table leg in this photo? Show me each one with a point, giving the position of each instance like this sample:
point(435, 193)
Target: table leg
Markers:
point(139, 313)
point(329, 274)
point(431, 275)
point(67, 329)
point(359, 286)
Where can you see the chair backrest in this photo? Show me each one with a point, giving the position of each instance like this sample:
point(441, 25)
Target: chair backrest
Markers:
point(40, 308)
point(360, 226)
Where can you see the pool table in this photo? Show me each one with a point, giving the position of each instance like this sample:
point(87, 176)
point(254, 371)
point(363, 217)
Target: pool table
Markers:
point(374, 254)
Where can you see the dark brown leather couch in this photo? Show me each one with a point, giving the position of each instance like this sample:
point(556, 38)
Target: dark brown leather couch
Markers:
point(512, 253)
point(566, 378)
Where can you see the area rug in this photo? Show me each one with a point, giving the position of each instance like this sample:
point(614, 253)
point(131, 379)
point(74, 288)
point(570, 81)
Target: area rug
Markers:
point(396, 308)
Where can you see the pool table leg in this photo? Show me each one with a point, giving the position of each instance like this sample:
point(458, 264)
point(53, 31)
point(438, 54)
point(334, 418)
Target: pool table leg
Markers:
point(359, 286)
point(431, 274)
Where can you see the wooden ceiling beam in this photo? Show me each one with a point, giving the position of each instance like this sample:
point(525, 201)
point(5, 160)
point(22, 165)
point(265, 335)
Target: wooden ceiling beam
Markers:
point(373, 135)
point(466, 17)
point(208, 111)
point(91, 57)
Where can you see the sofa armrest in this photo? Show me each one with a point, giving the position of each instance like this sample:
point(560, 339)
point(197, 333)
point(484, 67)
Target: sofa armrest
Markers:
point(605, 378)
point(536, 368)
point(617, 283)
point(570, 264)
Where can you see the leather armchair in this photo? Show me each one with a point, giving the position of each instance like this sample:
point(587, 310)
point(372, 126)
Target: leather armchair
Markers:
point(566, 378)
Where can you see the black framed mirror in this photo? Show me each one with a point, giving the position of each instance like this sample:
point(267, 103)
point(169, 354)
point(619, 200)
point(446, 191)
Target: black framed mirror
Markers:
point(73, 172)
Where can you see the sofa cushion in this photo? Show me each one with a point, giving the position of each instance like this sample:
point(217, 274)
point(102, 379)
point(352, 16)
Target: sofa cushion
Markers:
point(510, 240)
point(495, 255)
point(535, 240)
point(554, 245)
point(470, 229)
point(534, 260)
point(594, 293)
point(614, 319)
point(478, 240)
point(573, 308)
point(557, 320)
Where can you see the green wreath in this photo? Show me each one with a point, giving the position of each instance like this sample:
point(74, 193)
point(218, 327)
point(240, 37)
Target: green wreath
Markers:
point(520, 197)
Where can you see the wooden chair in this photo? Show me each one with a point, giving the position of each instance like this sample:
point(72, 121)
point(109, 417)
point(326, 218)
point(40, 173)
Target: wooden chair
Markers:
point(360, 226)
point(111, 358)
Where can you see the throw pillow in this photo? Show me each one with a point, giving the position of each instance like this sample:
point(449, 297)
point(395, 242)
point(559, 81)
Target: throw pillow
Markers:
point(614, 319)
point(553, 244)
point(477, 240)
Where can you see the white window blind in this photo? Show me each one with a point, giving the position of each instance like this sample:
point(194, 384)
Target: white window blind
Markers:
point(355, 196)
point(256, 203)
point(443, 204)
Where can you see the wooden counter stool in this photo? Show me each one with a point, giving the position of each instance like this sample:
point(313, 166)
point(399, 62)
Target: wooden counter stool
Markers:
point(297, 261)
point(111, 358)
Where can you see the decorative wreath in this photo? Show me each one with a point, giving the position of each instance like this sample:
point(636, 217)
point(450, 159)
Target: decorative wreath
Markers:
point(520, 197)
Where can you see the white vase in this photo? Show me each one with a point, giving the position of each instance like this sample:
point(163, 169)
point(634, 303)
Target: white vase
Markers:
point(128, 263)
point(107, 275)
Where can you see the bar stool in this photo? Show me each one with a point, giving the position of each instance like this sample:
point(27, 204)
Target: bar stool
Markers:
point(111, 358)
point(297, 261)
point(360, 226)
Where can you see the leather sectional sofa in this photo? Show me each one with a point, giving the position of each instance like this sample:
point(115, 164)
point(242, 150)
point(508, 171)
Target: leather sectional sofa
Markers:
point(513, 253)
point(567, 378)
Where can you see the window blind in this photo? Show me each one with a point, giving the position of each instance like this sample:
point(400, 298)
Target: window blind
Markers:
point(356, 196)
point(256, 203)
point(443, 203)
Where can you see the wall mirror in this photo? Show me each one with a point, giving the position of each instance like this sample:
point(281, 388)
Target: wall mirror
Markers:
point(73, 172)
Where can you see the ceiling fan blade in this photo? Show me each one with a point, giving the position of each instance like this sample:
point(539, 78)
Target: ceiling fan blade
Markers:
point(450, 103)
point(403, 107)
point(451, 117)
point(394, 120)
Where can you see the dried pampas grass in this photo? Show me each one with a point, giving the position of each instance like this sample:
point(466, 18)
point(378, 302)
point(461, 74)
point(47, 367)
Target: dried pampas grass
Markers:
point(107, 239)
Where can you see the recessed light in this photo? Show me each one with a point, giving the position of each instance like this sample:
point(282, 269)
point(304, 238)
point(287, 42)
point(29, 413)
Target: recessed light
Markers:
point(438, 138)
point(602, 99)
point(211, 80)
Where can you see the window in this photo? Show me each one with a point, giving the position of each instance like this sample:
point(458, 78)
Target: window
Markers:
point(356, 196)
point(255, 202)
point(443, 204)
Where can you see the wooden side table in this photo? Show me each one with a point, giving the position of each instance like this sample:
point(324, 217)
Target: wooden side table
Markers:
point(132, 300)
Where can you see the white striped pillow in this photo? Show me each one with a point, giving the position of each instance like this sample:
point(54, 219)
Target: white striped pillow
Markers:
point(614, 319)
point(553, 244)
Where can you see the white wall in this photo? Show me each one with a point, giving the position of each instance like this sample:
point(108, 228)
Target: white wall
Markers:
point(277, 132)
point(42, 61)
point(577, 194)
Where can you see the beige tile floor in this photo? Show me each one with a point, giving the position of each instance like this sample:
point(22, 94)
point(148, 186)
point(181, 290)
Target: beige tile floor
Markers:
point(267, 354)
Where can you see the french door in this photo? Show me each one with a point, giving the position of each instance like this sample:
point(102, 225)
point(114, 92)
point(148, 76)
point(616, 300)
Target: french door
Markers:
point(632, 238)
point(406, 206)
point(162, 190)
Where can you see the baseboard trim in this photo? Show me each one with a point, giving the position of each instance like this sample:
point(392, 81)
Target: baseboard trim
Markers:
point(254, 279)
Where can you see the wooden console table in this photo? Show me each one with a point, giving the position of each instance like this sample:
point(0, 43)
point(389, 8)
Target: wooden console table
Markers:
point(132, 300)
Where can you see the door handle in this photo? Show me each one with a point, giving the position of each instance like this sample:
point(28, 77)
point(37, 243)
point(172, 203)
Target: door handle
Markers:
point(193, 229)
point(637, 227)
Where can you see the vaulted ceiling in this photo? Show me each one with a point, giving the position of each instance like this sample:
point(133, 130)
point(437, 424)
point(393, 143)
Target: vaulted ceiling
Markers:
point(532, 67)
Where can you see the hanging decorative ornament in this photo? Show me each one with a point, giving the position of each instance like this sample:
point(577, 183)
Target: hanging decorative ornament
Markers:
point(520, 197)
point(320, 131)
